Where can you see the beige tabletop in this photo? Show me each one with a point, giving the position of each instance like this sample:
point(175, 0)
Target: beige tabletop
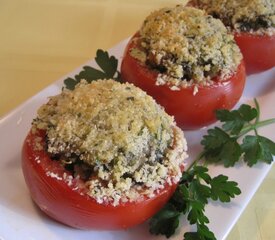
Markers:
point(42, 40)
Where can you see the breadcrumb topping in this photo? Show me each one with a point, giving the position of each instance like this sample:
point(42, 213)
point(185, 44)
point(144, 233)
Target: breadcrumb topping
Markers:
point(118, 134)
point(255, 16)
point(186, 46)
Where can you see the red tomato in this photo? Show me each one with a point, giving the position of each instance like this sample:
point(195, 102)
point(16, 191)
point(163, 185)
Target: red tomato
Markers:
point(190, 111)
point(258, 51)
point(75, 208)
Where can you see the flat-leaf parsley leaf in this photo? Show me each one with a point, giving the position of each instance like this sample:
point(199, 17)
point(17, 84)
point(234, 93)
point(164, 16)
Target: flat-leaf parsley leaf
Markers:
point(222, 189)
point(108, 69)
point(221, 147)
point(257, 148)
point(235, 120)
point(166, 221)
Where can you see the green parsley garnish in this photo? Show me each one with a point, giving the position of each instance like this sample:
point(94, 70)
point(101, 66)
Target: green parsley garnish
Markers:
point(196, 187)
point(192, 194)
point(108, 69)
point(222, 144)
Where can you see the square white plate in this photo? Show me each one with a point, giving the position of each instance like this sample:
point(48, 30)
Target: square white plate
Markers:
point(21, 219)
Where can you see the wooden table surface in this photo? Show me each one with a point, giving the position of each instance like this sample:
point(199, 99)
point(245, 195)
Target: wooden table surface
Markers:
point(42, 40)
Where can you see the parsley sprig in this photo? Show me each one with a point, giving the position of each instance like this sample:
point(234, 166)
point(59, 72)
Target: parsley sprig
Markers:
point(222, 144)
point(108, 69)
point(226, 145)
point(195, 189)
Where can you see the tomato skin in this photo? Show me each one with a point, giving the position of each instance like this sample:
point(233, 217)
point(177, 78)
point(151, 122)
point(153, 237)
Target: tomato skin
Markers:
point(190, 111)
point(258, 51)
point(73, 207)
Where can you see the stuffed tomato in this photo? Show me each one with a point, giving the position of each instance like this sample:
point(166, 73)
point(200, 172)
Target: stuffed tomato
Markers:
point(103, 156)
point(188, 62)
point(253, 25)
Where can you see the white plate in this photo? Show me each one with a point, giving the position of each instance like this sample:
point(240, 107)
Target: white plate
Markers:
point(19, 217)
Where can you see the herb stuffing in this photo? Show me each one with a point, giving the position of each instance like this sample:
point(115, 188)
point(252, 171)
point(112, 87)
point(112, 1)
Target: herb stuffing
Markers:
point(256, 16)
